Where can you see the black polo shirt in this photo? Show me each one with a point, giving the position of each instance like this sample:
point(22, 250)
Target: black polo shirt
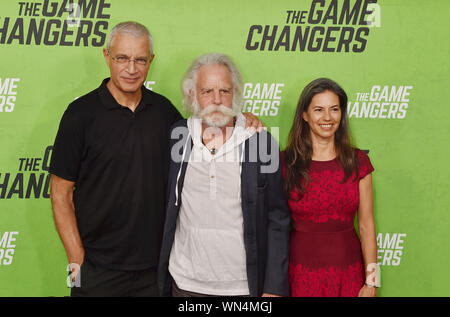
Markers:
point(119, 162)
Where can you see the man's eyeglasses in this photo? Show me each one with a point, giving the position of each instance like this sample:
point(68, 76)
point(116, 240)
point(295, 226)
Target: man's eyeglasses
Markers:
point(125, 60)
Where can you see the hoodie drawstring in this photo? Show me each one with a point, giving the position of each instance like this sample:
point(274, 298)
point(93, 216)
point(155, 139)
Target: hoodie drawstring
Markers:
point(241, 160)
point(181, 167)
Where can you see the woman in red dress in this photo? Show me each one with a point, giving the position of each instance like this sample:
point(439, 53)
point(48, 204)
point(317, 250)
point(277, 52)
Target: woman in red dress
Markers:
point(327, 182)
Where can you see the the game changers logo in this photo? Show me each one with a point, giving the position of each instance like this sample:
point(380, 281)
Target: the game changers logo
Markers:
point(8, 93)
point(327, 26)
point(390, 248)
point(382, 102)
point(31, 180)
point(7, 247)
point(262, 99)
point(63, 23)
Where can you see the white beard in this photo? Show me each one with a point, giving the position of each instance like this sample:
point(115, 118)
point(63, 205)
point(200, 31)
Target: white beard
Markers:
point(216, 116)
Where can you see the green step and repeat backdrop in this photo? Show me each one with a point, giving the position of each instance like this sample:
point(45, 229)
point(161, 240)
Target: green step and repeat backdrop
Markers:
point(391, 57)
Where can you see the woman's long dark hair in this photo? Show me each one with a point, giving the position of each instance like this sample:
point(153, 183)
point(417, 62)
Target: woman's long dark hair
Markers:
point(299, 149)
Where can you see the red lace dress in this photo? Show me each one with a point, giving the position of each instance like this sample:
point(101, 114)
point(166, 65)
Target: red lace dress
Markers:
point(325, 251)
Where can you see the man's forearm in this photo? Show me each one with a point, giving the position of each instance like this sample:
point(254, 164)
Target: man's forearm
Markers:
point(66, 224)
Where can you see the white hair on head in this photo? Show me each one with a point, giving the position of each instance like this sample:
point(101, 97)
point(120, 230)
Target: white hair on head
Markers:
point(132, 28)
point(189, 82)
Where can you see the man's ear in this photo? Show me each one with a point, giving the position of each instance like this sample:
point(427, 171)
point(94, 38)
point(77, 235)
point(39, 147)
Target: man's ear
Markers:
point(106, 56)
point(191, 96)
point(151, 59)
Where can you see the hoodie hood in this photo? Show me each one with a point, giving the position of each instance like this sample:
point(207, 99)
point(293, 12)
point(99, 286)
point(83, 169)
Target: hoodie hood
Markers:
point(238, 137)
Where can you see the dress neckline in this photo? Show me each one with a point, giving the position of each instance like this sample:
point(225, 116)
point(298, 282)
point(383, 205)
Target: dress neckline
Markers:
point(327, 161)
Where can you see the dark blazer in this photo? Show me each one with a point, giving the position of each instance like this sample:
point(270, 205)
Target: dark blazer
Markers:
point(265, 215)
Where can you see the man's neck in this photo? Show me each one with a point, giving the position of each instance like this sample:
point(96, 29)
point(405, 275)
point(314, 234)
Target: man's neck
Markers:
point(129, 100)
point(214, 138)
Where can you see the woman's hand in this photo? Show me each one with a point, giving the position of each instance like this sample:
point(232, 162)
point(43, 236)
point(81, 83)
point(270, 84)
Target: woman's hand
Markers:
point(367, 291)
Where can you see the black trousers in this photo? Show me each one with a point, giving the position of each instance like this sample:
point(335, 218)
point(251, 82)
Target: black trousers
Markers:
point(101, 282)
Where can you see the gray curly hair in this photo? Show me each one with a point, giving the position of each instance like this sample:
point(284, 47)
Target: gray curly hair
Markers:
point(189, 82)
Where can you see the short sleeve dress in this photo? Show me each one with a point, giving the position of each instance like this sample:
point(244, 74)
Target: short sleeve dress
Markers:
point(325, 251)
